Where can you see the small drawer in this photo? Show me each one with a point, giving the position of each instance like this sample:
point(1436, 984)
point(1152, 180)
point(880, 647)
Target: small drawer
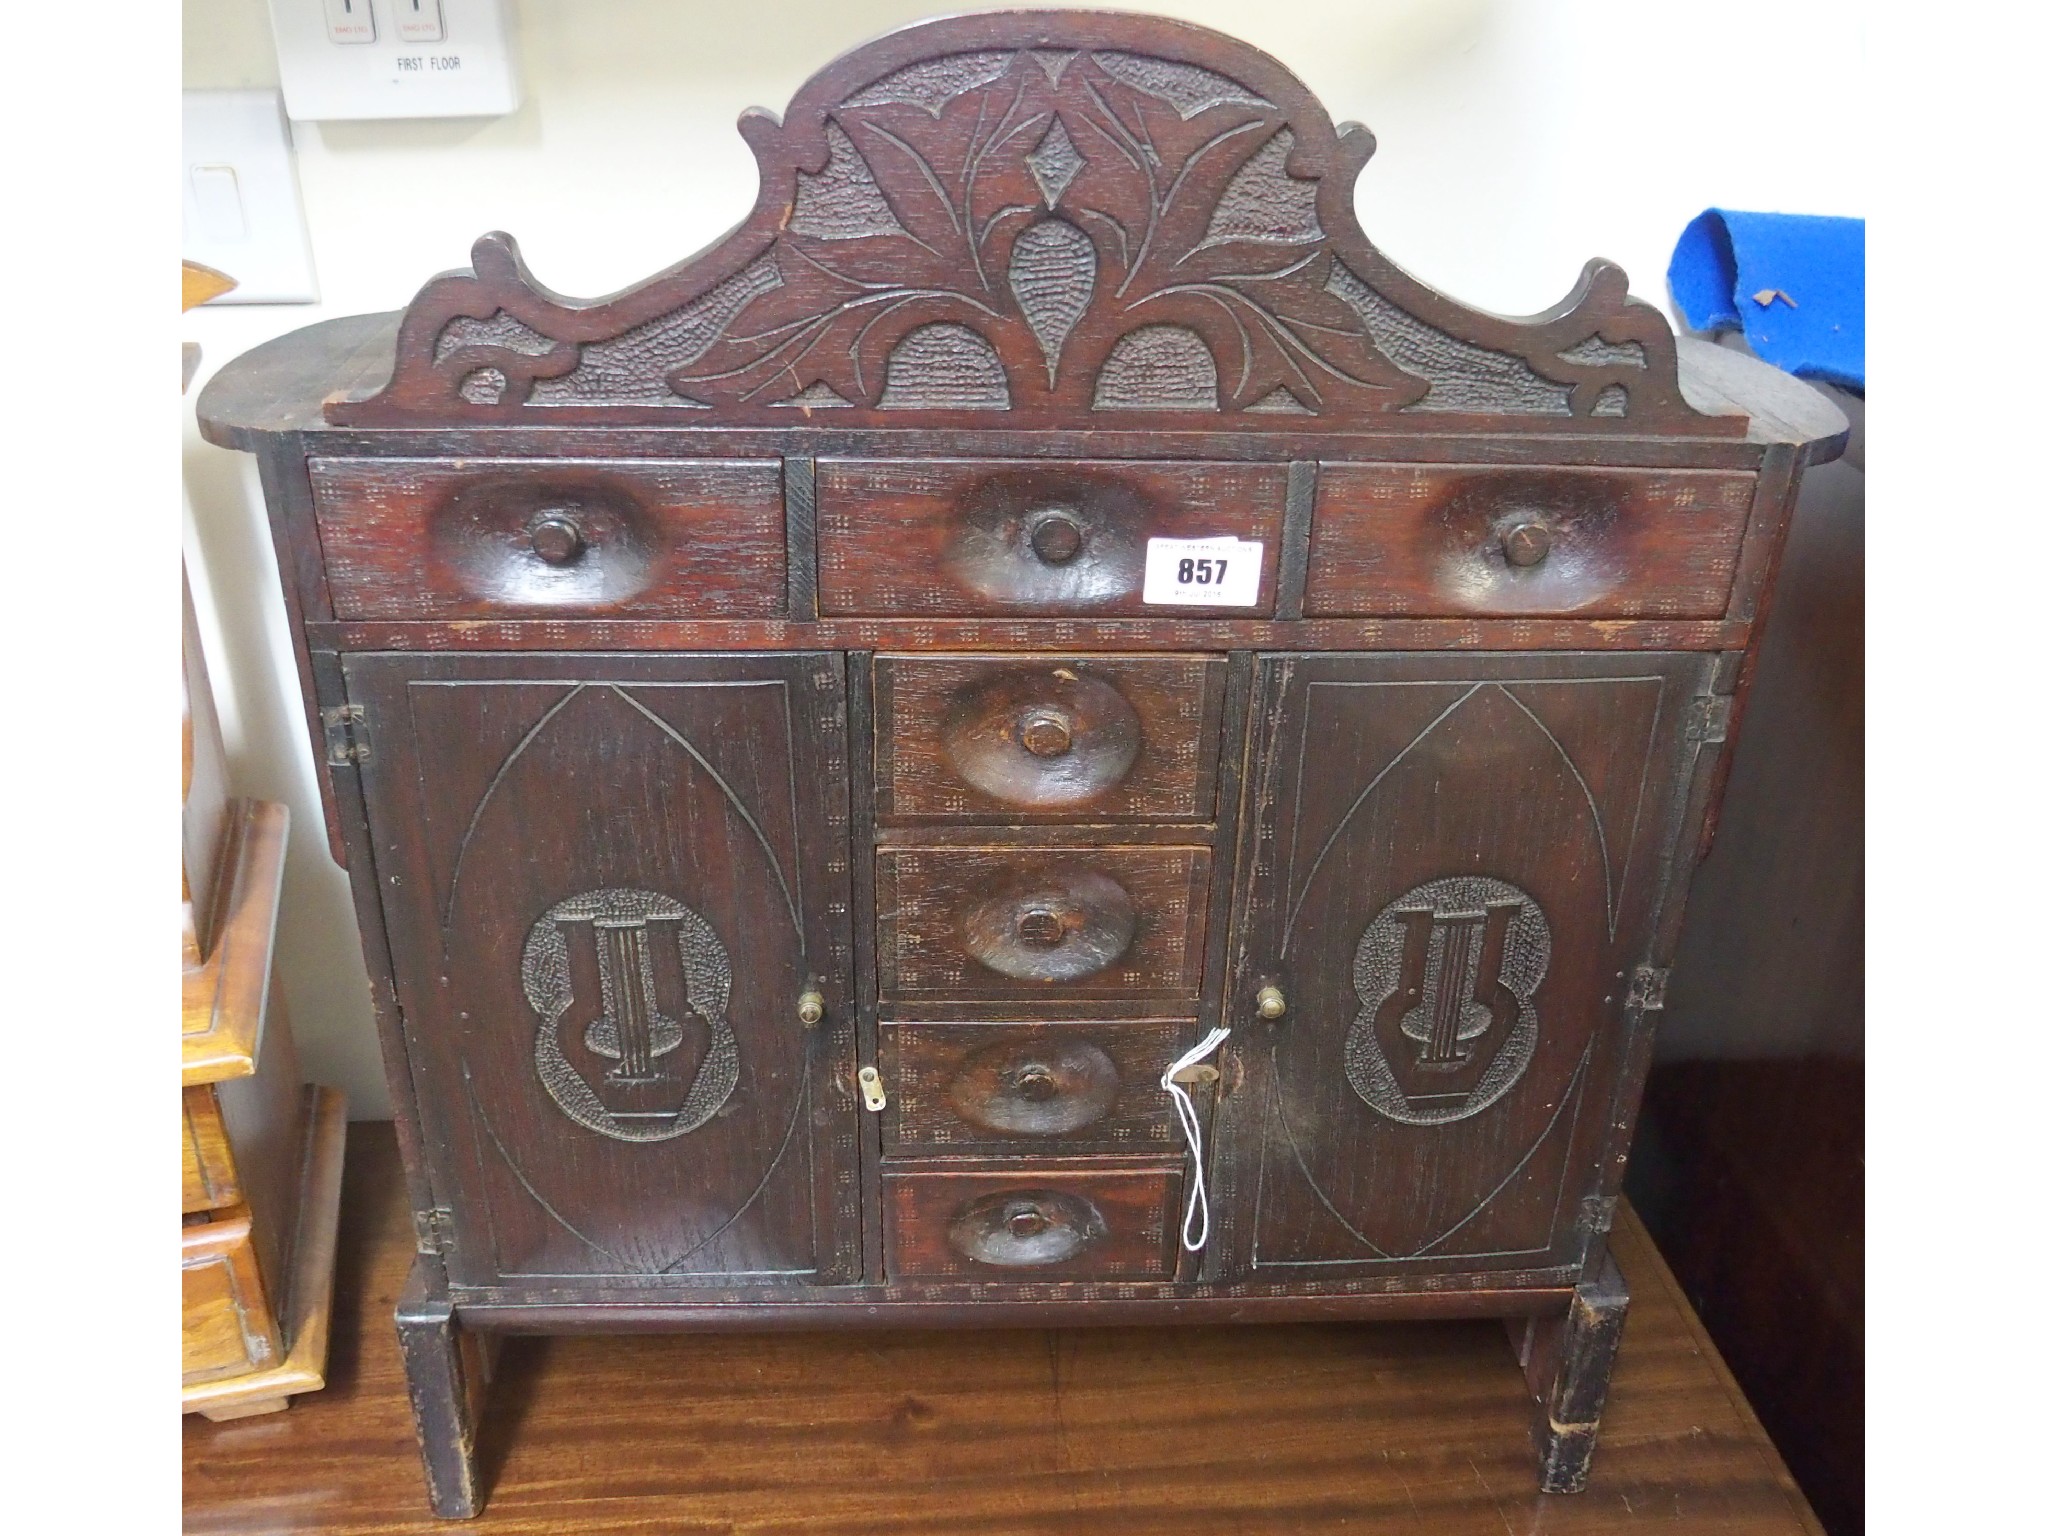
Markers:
point(210, 1178)
point(966, 536)
point(511, 538)
point(1027, 738)
point(229, 1325)
point(1432, 541)
point(1031, 1221)
point(961, 924)
point(957, 1089)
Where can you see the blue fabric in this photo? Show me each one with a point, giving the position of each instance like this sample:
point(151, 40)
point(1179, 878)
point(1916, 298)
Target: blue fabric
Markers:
point(1792, 283)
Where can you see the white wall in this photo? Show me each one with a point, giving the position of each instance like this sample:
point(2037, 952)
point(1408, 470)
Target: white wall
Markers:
point(1518, 138)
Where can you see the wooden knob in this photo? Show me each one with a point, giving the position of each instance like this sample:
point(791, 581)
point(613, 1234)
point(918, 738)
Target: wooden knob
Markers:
point(1272, 1002)
point(556, 538)
point(1037, 1083)
point(1041, 927)
point(1027, 1222)
point(1046, 733)
point(1057, 536)
point(1525, 543)
point(810, 1008)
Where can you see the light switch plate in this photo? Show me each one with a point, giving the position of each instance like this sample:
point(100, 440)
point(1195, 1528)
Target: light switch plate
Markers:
point(340, 59)
point(241, 192)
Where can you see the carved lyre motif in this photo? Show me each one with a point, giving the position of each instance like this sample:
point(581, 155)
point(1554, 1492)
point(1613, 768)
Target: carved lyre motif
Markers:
point(1447, 974)
point(641, 1095)
point(1065, 217)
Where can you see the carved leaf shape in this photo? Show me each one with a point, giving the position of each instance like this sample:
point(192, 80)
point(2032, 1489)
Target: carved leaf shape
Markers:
point(1052, 276)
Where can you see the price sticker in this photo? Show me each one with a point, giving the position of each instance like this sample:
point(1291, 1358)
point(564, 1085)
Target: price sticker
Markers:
point(1203, 573)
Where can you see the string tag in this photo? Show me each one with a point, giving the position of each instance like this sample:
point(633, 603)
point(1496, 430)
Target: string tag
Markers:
point(1192, 1237)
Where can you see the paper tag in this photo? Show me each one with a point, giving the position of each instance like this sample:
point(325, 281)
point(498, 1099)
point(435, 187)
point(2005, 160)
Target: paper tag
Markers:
point(1204, 573)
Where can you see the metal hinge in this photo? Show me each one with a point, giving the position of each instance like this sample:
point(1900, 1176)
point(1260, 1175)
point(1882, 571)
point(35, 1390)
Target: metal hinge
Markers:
point(1596, 1213)
point(1646, 987)
point(1706, 718)
point(348, 735)
point(434, 1231)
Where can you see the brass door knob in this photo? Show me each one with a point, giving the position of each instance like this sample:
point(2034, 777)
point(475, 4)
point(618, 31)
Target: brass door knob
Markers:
point(810, 1008)
point(1272, 1002)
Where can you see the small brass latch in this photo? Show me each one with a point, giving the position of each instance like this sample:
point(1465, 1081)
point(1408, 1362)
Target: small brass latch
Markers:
point(871, 1089)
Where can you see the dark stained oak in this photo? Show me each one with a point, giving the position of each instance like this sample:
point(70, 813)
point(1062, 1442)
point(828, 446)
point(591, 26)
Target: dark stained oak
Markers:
point(1598, 544)
point(1027, 738)
point(1301, 1428)
point(796, 811)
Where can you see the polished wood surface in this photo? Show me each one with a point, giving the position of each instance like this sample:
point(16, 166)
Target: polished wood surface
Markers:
point(306, 1324)
point(424, 539)
point(224, 997)
point(1281, 1430)
point(1023, 293)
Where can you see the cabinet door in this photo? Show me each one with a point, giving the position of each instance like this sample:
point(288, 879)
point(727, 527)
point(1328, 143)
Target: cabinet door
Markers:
point(607, 882)
point(1454, 866)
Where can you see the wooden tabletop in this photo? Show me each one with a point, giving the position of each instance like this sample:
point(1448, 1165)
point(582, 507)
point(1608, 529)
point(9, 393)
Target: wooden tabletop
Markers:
point(1283, 1429)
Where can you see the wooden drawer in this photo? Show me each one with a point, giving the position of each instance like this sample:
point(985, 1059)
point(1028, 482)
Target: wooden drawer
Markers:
point(433, 539)
point(1437, 541)
point(967, 536)
point(959, 924)
point(1032, 1221)
point(210, 1178)
point(1026, 738)
point(230, 1323)
point(1067, 1088)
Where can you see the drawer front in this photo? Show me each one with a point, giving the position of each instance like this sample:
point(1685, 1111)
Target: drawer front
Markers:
point(229, 1327)
point(1067, 1088)
point(210, 1180)
point(1022, 738)
point(964, 536)
point(1030, 1222)
point(430, 539)
point(1435, 541)
point(961, 924)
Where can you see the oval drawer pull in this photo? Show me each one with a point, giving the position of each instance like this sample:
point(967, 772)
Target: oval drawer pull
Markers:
point(1038, 1087)
point(1041, 738)
point(1026, 1229)
point(1072, 924)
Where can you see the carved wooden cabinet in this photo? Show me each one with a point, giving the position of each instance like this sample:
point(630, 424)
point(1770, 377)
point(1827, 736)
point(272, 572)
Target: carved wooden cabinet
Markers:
point(824, 741)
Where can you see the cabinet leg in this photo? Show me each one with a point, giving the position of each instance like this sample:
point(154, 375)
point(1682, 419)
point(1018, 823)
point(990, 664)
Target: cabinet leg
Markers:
point(444, 1373)
point(1567, 1361)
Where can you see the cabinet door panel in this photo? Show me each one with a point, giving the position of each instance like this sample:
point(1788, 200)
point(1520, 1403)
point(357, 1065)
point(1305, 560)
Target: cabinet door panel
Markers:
point(607, 881)
point(1454, 866)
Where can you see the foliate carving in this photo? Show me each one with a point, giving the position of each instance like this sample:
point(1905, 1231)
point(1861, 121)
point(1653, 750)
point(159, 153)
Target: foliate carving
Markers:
point(1447, 976)
point(1051, 214)
point(635, 1025)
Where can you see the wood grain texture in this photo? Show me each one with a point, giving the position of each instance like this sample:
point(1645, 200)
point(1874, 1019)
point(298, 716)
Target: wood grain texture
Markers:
point(1023, 537)
point(643, 861)
point(224, 998)
point(1454, 869)
point(928, 901)
point(1031, 1218)
point(1595, 544)
point(957, 1089)
point(1417, 1427)
point(232, 1322)
point(420, 539)
point(317, 1211)
point(1130, 738)
point(1058, 217)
